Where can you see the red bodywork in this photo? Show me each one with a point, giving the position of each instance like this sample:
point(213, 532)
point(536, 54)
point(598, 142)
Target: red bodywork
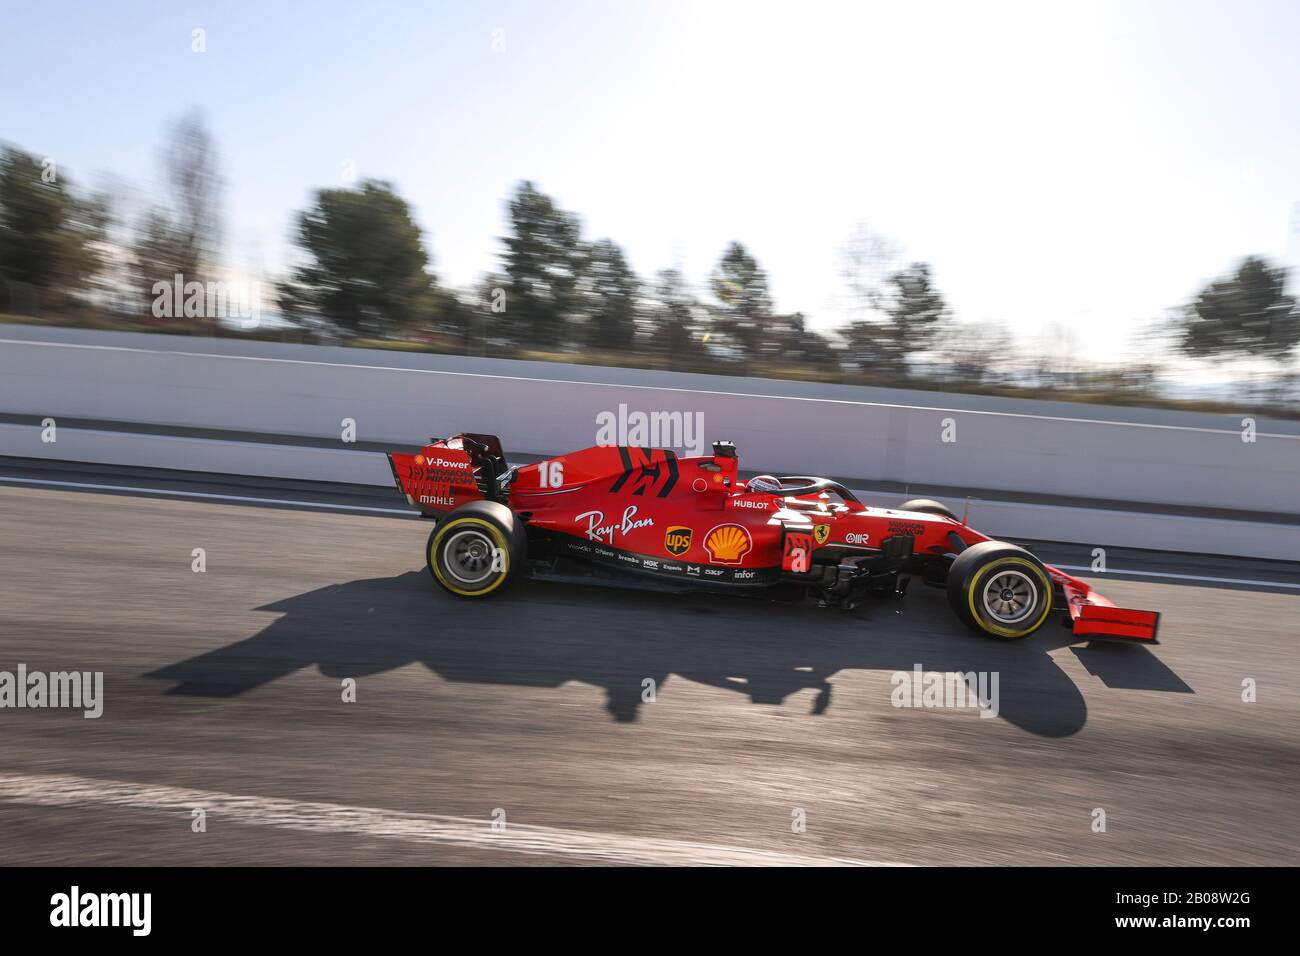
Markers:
point(647, 510)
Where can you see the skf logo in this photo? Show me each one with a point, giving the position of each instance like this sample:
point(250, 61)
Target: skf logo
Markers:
point(821, 533)
point(728, 544)
point(677, 540)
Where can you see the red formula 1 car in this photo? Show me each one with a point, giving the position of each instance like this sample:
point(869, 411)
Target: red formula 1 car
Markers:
point(692, 523)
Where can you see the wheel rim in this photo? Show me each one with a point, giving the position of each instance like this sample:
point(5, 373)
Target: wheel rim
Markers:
point(467, 556)
point(1010, 597)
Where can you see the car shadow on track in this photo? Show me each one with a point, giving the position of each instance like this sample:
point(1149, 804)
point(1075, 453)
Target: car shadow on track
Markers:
point(546, 635)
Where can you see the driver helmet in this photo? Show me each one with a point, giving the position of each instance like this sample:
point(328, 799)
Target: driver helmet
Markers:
point(763, 484)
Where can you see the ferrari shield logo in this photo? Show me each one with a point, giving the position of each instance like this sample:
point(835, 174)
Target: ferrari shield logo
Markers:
point(677, 540)
point(821, 533)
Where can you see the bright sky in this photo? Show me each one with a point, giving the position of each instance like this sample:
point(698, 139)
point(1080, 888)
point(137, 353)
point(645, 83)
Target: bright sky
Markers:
point(1081, 165)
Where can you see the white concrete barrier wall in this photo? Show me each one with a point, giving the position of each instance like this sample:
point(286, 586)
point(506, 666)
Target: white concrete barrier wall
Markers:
point(873, 442)
point(253, 459)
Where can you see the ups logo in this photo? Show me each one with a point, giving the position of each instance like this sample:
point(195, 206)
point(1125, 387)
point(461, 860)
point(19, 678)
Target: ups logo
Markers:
point(677, 540)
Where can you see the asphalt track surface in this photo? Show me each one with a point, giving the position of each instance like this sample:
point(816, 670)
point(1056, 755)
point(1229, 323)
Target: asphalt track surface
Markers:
point(223, 693)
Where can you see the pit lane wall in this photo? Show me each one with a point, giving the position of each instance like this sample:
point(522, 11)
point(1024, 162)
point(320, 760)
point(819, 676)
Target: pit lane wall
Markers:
point(285, 390)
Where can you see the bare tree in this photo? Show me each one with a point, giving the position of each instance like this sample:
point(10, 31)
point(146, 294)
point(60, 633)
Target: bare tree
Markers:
point(181, 236)
point(977, 352)
point(867, 260)
point(195, 184)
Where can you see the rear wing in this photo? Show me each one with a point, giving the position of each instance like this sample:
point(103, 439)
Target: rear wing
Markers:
point(448, 472)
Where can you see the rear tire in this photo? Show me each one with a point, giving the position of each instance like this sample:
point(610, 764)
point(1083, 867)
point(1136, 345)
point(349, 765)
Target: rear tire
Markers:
point(477, 549)
point(926, 506)
point(1000, 590)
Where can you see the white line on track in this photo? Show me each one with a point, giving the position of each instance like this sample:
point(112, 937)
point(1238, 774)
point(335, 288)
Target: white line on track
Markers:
point(1180, 577)
point(165, 492)
point(58, 790)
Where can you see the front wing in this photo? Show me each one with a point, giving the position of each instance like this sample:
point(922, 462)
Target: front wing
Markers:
point(1095, 615)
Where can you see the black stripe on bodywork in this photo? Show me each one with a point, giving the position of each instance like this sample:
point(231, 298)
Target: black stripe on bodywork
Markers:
point(648, 472)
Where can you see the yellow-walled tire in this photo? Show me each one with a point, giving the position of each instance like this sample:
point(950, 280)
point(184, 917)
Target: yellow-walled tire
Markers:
point(476, 550)
point(1000, 590)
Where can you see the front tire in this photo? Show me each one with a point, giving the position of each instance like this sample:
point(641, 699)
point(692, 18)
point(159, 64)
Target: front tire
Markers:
point(1000, 590)
point(477, 549)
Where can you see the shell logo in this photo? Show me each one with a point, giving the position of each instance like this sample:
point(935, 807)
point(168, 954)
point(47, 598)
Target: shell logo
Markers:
point(727, 544)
